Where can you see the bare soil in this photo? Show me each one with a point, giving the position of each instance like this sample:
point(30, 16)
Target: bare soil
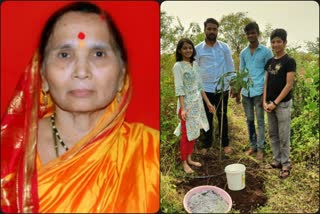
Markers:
point(212, 173)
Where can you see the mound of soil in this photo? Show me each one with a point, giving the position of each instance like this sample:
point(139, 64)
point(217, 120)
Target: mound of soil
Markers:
point(212, 173)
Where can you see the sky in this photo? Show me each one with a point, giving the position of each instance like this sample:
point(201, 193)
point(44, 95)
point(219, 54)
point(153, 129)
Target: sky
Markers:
point(299, 18)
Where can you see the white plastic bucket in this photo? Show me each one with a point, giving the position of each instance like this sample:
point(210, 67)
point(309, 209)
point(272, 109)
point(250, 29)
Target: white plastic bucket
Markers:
point(236, 177)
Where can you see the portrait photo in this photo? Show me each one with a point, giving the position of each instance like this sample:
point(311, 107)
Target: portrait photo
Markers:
point(80, 106)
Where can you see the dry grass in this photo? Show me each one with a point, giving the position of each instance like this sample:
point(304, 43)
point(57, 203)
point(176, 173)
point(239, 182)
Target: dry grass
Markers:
point(299, 193)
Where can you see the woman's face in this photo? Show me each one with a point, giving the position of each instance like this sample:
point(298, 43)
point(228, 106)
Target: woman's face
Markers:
point(186, 51)
point(81, 67)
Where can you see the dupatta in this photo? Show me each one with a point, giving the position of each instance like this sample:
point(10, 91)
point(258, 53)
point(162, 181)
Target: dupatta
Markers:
point(18, 144)
point(19, 174)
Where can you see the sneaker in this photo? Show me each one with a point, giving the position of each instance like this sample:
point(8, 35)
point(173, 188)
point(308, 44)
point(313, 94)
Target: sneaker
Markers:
point(250, 152)
point(259, 155)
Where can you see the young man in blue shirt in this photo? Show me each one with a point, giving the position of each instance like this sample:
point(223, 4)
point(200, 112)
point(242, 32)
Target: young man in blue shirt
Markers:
point(214, 58)
point(253, 58)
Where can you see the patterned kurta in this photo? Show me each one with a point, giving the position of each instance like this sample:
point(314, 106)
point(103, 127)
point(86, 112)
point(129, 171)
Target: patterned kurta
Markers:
point(188, 84)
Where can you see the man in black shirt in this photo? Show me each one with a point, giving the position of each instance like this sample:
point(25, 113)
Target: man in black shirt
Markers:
point(277, 100)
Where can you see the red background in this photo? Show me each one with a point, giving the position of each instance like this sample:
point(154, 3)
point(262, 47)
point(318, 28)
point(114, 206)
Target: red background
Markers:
point(138, 21)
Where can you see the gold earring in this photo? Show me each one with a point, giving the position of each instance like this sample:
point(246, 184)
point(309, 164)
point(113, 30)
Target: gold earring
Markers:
point(45, 89)
point(43, 106)
point(45, 97)
point(118, 97)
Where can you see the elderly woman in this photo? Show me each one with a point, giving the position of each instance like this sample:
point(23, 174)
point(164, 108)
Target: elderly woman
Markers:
point(65, 146)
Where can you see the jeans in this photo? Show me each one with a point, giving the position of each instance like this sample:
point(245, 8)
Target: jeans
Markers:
point(215, 99)
point(279, 132)
point(253, 105)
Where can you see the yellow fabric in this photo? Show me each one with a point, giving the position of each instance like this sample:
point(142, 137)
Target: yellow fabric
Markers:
point(114, 168)
point(120, 174)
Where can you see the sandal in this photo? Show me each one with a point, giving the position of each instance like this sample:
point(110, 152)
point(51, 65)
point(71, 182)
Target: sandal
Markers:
point(276, 165)
point(273, 165)
point(284, 173)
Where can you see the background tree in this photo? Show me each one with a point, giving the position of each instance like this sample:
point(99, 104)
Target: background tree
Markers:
point(265, 35)
point(231, 31)
point(193, 32)
point(171, 30)
point(168, 32)
point(313, 47)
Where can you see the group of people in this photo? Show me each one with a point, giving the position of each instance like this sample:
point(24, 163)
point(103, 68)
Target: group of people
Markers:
point(66, 145)
point(197, 74)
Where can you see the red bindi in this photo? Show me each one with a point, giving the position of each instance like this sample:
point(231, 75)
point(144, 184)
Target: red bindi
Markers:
point(81, 35)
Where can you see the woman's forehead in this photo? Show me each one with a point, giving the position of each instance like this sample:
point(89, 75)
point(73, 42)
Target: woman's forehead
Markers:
point(80, 26)
point(76, 15)
point(82, 23)
point(186, 44)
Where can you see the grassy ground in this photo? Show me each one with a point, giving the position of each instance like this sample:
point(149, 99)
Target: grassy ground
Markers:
point(297, 194)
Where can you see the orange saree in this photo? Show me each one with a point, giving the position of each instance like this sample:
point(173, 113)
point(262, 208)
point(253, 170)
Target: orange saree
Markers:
point(115, 168)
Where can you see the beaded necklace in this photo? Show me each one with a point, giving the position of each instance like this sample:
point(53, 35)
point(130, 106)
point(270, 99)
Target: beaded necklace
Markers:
point(56, 136)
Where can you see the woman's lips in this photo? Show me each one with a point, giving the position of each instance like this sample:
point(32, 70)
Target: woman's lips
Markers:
point(81, 92)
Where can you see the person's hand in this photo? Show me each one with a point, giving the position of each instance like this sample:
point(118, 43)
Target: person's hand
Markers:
point(271, 106)
point(265, 106)
point(211, 107)
point(268, 107)
point(184, 115)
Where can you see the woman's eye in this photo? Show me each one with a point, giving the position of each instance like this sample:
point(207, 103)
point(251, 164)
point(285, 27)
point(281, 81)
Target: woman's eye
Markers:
point(63, 55)
point(99, 54)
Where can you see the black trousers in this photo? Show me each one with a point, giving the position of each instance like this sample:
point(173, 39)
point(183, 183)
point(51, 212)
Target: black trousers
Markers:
point(215, 99)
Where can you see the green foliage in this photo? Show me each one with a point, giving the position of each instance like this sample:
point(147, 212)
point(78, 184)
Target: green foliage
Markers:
point(265, 35)
point(168, 118)
point(170, 200)
point(305, 116)
point(313, 47)
point(170, 33)
point(307, 65)
point(232, 32)
point(242, 79)
point(238, 80)
point(231, 29)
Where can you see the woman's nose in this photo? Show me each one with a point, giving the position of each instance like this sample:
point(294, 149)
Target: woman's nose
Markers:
point(82, 69)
